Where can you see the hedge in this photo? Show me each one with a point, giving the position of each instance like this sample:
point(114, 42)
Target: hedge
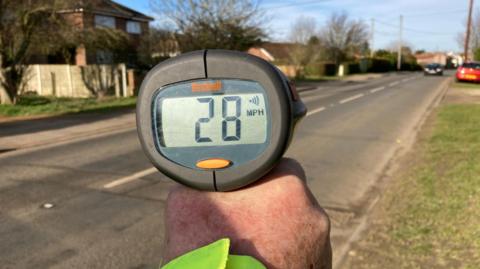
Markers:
point(371, 65)
point(380, 65)
point(351, 68)
point(321, 69)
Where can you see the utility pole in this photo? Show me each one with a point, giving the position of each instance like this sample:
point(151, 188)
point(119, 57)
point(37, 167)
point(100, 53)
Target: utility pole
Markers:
point(469, 28)
point(400, 45)
point(372, 39)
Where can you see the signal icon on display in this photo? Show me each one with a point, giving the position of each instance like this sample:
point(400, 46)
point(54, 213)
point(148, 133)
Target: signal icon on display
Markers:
point(255, 100)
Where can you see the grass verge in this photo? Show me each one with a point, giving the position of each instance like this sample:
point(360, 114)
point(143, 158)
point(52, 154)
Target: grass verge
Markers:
point(466, 85)
point(430, 217)
point(39, 105)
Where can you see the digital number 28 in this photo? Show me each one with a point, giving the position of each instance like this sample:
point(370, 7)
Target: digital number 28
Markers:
point(227, 119)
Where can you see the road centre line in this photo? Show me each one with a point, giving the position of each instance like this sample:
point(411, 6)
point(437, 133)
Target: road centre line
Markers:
point(349, 99)
point(377, 89)
point(393, 84)
point(315, 111)
point(130, 178)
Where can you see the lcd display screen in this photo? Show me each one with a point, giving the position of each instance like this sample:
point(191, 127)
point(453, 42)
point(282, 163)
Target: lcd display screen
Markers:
point(213, 120)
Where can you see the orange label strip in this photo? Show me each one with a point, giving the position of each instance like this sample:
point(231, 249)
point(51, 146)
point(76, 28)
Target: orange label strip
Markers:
point(207, 87)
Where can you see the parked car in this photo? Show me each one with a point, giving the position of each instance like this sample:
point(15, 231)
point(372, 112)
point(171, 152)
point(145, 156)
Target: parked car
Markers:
point(469, 72)
point(433, 69)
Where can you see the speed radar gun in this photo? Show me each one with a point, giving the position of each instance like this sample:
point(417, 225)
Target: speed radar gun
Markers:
point(216, 120)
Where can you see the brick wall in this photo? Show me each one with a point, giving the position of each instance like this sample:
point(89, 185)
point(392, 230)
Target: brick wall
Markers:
point(121, 24)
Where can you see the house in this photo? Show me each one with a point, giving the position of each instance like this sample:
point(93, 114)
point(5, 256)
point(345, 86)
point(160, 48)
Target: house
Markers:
point(455, 59)
point(273, 52)
point(102, 13)
point(430, 58)
point(278, 54)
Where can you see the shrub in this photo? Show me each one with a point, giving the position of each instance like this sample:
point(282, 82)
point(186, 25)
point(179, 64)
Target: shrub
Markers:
point(351, 68)
point(321, 69)
point(330, 69)
point(380, 65)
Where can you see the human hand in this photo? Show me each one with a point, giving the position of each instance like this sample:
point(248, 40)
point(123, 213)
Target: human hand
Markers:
point(276, 220)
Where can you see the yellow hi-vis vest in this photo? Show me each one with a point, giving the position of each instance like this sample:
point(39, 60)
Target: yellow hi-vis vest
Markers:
point(214, 256)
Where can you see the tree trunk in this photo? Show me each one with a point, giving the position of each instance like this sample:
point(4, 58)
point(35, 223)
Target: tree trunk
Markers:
point(101, 95)
point(5, 98)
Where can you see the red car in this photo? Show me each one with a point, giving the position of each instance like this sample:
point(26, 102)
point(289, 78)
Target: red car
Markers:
point(469, 72)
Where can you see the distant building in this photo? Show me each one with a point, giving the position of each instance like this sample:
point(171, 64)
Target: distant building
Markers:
point(104, 13)
point(430, 58)
point(278, 54)
point(273, 52)
point(456, 59)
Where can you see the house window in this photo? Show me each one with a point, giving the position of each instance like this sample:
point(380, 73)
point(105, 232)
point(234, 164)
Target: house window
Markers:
point(104, 21)
point(133, 27)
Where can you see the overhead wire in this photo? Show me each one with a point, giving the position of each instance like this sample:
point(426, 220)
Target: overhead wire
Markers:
point(414, 15)
point(385, 33)
point(418, 31)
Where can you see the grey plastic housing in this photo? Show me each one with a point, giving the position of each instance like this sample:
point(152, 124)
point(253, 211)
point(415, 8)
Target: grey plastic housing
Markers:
point(221, 64)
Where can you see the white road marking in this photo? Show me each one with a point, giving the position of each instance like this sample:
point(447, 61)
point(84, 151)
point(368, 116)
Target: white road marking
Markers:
point(310, 98)
point(405, 79)
point(130, 178)
point(315, 111)
point(393, 84)
point(377, 89)
point(349, 99)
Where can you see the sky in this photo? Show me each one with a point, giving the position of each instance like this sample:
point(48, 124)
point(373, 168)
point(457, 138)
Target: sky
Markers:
point(432, 25)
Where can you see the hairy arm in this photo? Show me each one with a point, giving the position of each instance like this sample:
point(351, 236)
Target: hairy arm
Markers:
point(277, 221)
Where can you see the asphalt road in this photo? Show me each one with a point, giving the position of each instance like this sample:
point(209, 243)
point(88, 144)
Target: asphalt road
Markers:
point(98, 204)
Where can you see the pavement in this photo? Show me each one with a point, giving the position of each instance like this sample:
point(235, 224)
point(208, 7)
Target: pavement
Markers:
point(28, 133)
point(83, 195)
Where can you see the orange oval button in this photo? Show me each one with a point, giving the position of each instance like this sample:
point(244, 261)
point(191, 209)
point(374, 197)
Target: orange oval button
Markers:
point(213, 163)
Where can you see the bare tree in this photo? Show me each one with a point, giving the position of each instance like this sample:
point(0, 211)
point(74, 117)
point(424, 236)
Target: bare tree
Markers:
point(202, 24)
point(307, 46)
point(157, 45)
point(302, 30)
point(343, 37)
point(113, 41)
point(24, 24)
point(99, 79)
